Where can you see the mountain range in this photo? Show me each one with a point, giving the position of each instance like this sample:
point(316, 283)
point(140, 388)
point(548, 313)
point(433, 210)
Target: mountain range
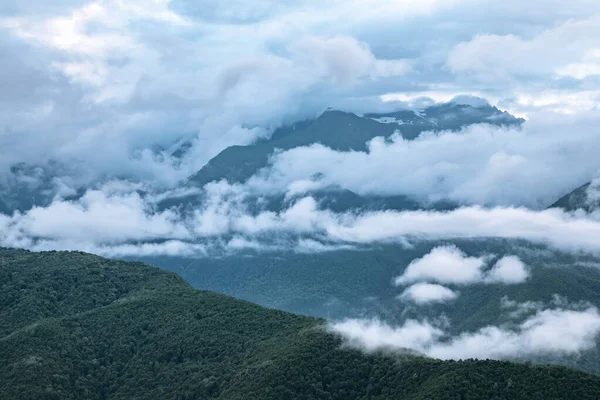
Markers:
point(38, 185)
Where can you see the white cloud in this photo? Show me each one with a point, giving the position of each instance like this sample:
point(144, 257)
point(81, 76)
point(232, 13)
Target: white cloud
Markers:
point(593, 192)
point(345, 59)
point(554, 227)
point(173, 248)
point(485, 165)
point(520, 309)
point(117, 214)
point(425, 293)
point(589, 66)
point(493, 57)
point(445, 264)
point(98, 218)
point(508, 270)
point(449, 265)
point(313, 246)
point(549, 331)
point(374, 334)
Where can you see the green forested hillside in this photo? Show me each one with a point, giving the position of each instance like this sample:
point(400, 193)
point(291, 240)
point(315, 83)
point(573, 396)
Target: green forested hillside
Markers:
point(358, 283)
point(77, 326)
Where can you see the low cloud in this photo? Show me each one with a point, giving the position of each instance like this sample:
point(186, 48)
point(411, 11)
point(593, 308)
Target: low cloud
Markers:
point(566, 231)
point(520, 309)
point(446, 264)
point(549, 331)
point(593, 193)
point(100, 217)
point(121, 214)
point(508, 270)
point(425, 293)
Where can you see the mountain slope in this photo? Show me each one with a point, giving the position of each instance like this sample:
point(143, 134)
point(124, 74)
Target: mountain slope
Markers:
point(579, 199)
point(80, 326)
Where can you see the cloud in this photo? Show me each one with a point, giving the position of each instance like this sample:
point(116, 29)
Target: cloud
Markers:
point(445, 264)
point(519, 309)
point(373, 334)
point(508, 270)
point(345, 59)
point(548, 331)
point(493, 57)
point(425, 293)
point(313, 246)
point(173, 248)
point(554, 227)
point(484, 165)
point(223, 211)
point(108, 81)
point(96, 82)
point(449, 265)
point(98, 218)
point(593, 193)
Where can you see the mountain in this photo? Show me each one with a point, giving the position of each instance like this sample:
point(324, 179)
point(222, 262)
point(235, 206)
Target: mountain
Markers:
point(79, 326)
point(345, 131)
point(581, 198)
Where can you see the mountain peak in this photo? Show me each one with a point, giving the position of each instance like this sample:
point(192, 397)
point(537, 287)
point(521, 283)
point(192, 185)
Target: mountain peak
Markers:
point(471, 101)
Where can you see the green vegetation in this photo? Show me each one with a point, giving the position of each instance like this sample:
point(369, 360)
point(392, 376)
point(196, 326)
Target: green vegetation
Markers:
point(357, 283)
point(77, 326)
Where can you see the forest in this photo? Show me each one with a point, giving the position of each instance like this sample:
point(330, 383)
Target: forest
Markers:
point(78, 326)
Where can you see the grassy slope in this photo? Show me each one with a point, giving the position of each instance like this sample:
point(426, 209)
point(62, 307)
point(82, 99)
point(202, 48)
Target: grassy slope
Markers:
point(77, 326)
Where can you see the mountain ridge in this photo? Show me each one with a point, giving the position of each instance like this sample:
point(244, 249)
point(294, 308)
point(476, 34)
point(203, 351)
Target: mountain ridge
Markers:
point(345, 131)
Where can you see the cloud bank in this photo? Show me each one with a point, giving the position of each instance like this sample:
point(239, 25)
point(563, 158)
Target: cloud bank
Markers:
point(88, 223)
point(556, 331)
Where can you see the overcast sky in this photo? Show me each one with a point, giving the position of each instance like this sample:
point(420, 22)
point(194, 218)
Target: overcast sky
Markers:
point(96, 81)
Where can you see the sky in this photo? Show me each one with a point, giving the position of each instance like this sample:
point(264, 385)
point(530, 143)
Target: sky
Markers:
point(97, 84)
